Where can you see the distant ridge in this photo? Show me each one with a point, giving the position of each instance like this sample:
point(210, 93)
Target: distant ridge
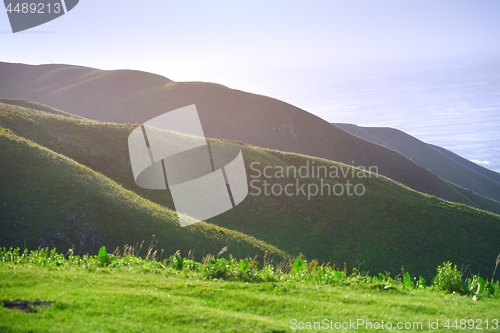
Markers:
point(440, 161)
point(125, 96)
point(487, 172)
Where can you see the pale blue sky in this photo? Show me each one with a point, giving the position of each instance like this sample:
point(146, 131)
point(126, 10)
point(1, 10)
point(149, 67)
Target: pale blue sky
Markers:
point(183, 39)
point(297, 51)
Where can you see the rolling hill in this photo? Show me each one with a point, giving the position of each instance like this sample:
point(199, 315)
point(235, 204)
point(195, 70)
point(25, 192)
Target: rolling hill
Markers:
point(126, 96)
point(50, 200)
point(389, 226)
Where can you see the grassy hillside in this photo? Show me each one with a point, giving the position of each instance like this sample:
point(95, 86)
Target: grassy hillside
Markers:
point(390, 223)
point(436, 159)
point(103, 147)
point(50, 200)
point(389, 226)
point(134, 97)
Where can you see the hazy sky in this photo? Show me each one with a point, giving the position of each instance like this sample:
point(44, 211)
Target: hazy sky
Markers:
point(186, 40)
point(294, 50)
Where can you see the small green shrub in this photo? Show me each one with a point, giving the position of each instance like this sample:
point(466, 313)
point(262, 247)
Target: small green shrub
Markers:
point(407, 282)
point(493, 289)
point(299, 265)
point(191, 265)
point(421, 283)
point(449, 279)
point(103, 256)
point(218, 269)
point(477, 286)
point(176, 261)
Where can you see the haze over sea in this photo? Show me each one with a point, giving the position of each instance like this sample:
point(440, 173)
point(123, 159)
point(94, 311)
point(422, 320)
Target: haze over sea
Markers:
point(452, 104)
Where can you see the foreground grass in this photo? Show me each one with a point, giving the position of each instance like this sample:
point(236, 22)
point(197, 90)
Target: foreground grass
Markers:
point(128, 300)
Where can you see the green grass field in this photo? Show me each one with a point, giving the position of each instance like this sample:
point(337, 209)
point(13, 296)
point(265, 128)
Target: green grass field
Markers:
point(136, 295)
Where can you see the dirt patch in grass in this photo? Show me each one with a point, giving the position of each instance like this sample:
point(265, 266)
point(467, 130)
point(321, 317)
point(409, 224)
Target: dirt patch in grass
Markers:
point(26, 306)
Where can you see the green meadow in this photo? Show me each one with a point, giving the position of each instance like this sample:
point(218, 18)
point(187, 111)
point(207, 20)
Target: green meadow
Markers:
point(126, 293)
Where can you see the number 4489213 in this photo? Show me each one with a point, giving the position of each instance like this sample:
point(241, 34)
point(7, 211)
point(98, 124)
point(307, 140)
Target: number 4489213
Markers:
point(472, 324)
point(34, 8)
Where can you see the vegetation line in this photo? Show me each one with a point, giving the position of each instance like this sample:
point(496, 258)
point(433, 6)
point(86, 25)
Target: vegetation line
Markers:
point(448, 277)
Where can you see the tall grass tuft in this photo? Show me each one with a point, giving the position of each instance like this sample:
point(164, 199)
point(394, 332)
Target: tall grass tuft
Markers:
point(495, 270)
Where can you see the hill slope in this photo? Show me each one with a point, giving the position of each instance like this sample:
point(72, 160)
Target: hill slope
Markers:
point(50, 200)
point(132, 96)
point(388, 226)
point(107, 151)
point(438, 160)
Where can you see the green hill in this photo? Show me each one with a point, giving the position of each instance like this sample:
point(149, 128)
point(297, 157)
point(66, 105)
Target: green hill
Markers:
point(125, 96)
point(103, 147)
point(387, 227)
point(50, 200)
